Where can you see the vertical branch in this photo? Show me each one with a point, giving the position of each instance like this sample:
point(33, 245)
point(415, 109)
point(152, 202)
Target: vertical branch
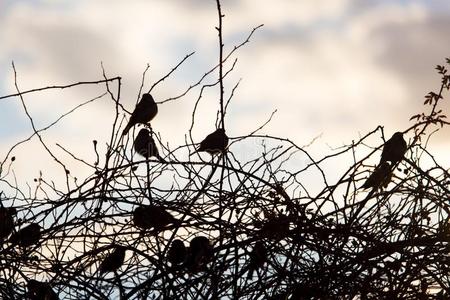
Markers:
point(219, 29)
point(216, 275)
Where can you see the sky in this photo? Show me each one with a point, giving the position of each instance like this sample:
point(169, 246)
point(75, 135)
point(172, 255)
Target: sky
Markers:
point(331, 69)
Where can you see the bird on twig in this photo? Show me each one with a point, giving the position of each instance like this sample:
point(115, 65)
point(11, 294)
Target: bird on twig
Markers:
point(145, 145)
point(144, 112)
point(40, 291)
point(380, 177)
point(394, 149)
point(26, 236)
point(258, 257)
point(177, 252)
point(215, 142)
point(152, 216)
point(275, 227)
point(199, 254)
point(113, 260)
point(6, 221)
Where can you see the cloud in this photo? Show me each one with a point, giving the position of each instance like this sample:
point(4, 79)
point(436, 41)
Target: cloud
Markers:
point(337, 68)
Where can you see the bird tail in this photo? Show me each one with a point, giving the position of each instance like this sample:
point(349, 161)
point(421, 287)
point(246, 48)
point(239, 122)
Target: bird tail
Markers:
point(162, 160)
point(127, 128)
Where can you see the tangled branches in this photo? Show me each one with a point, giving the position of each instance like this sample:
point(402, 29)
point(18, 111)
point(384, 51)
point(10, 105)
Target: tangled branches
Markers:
point(181, 224)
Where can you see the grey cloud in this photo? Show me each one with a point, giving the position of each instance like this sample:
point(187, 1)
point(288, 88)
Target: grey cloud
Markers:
point(70, 51)
point(413, 50)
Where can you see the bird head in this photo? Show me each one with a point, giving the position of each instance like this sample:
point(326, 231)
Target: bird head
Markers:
point(178, 244)
point(119, 248)
point(35, 226)
point(143, 132)
point(200, 242)
point(398, 135)
point(140, 210)
point(147, 97)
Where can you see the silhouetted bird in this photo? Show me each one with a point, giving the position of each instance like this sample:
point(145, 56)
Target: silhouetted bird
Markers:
point(145, 145)
point(26, 236)
point(177, 252)
point(394, 149)
point(199, 254)
point(144, 112)
point(40, 291)
point(380, 177)
point(305, 291)
point(275, 227)
point(113, 260)
point(258, 257)
point(214, 142)
point(148, 216)
point(6, 221)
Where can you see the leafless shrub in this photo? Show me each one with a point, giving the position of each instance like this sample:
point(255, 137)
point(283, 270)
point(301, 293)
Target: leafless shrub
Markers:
point(248, 228)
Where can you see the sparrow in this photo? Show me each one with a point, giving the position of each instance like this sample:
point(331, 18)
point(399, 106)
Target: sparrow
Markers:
point(215, 142)
point(40, 291)
point(6, 221)
point(144, 112)
point(177, 252)
point(199, 254)
point(394, 149)
point(152, 216)
point(275, 227)
point(145, 145)
point(380, 177)
point(258, 257)
point(26, 236)
point(113, 260)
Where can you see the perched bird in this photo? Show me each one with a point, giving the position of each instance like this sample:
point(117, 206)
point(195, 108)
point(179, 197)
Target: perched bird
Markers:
point(40, 291)
point(394, 149)
point(152, 216)
point(113, 260)
point(26, 236)
point(177, 252)
point(258, 257)
point(215, 142)
point(145, 145)
point(144, 112)
point(199, 254)
point(304, 291)
point(380, 177)
point(275, 227)
point(6, 221)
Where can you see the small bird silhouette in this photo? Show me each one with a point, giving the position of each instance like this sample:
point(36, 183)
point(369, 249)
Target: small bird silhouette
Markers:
point(258, 257)
point(275, 227)
point(380, 177)
point(215, 142)
point(152, 216)
point(177, 252)
point(144, 112)
point(6, 221)
point(199, 254)
point(394, 149)
point(40, 291)
point(113, 260)
point(145, 145)
point(26, 236)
